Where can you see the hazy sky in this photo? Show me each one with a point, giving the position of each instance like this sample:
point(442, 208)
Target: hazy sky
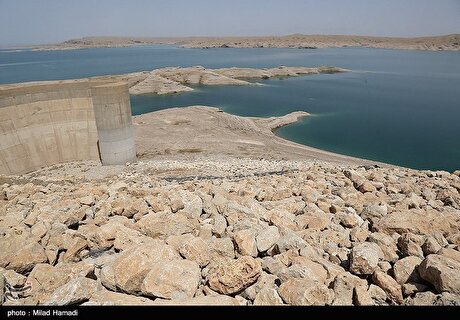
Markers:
point(47, 21)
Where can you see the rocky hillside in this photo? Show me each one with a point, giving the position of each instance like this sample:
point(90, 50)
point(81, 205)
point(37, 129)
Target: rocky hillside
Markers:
point(230, 232)
point(302, 41)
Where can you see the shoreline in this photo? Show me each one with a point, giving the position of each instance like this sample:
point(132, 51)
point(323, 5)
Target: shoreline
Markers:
point(206, 131)
point(449, 42)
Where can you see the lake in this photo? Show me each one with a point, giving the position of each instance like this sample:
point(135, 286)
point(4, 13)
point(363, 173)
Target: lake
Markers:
point(396, 106)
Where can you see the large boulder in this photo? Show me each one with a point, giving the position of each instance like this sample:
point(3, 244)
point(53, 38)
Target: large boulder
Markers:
point(45, 278)
point(303, 267)
point(246, 242)
point(450, 253)
point(268, 297)
point(389, 285)
point(233, 276)
point(418, 221)
point(27, 257)
point(177, 279)
point(304, 292)
point(132, 265)
point(344, 286)
point(364, 258)
point(197, 250)
point(162, 225)
point(109, 298)
point(442, 272)
point(267, 238)
point(76, 291)
point(406, 270)
point(387, 244)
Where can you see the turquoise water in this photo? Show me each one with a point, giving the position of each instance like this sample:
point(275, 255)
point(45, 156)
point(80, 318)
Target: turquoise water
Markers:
point(400, 107)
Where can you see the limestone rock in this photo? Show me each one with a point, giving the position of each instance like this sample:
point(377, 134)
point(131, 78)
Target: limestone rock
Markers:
point(448, 299)
point(289, 241)
point(265, 281)
point(450, 253)
point(442, 272)
point(75, 247)
point(422, 299)
point(406, 270)
point(344, 286)
point(389, 285)
point(366, 186)
point(87, 201)
point(193, 204)
point(364, 258)
point(109, 298)
point(221, 248)
point(132, 265)
point(246, 242)
point(216, 300)
point(162, 225)
point(45, 279)
point(430, 246)
point(304, 292)
point(377, 294)
point(177, 279)
point(231, 277)
point(410, 245)
point(362, 296)
point(107, 277)
point(13, 279)
point(386, 244)
point(197, 250)
point(267, 297)
point(411, 288)
point(2, 287)
point(304, 268)
point(417, 221)
point(220, 224)
point(27, 257)
point(74, 292)
point(267, 238)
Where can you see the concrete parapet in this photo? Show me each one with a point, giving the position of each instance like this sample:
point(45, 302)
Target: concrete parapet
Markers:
point(44, 123)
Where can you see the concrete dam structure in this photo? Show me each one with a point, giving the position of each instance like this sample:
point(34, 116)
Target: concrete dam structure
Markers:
point(44, 123)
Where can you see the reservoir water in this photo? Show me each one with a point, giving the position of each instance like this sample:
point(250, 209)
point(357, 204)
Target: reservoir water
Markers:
point(396, 106)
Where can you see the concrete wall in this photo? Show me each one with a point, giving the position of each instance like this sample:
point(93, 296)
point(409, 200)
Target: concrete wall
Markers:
point(44, 123)
point(114, 123)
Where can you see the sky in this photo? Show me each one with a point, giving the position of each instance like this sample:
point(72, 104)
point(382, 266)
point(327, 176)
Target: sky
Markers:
point(51, 21)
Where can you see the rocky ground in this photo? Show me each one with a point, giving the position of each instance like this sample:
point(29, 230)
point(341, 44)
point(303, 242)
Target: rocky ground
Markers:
point(230, 231)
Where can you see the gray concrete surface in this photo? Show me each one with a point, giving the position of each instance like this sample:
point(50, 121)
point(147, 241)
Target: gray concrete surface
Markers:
point(43, 123)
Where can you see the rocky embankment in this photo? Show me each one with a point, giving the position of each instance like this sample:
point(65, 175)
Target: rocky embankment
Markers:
point(177, 79)
point(229, 231)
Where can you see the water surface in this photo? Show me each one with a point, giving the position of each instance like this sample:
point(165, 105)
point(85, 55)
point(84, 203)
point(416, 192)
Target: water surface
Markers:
point(400, 107)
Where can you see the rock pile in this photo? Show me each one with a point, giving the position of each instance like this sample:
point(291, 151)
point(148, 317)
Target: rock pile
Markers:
point(298, 233)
